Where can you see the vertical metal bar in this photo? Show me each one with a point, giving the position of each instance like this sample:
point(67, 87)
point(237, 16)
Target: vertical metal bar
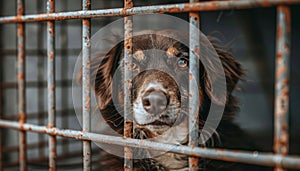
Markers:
point(281, 134)
point(128, 125)
point(21, 86)
point(86, 88)
point(51, 84)
point(194, 73)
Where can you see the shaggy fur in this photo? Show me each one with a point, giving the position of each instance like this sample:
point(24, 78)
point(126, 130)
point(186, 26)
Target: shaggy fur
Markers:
point(227, 135)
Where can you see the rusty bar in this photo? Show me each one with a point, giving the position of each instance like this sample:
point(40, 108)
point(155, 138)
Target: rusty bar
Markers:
point(128, 124)
point(281, 127)
point(86, 87)
point(51, 85)
point(172, 8)
point(194, 76)
point(21, 86)
point(258, 158)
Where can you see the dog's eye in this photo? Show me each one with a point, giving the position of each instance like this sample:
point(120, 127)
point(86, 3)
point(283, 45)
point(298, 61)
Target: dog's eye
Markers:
point(182, 63)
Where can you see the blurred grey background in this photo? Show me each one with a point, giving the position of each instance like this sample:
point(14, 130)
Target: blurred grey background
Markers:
point(248, 34)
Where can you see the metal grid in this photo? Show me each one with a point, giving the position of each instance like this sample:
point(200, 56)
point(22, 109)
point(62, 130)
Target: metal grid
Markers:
point(279, 160)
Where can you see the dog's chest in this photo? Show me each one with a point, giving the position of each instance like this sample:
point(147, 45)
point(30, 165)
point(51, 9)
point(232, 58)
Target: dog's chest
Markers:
point(173, 162)
point(176, 135)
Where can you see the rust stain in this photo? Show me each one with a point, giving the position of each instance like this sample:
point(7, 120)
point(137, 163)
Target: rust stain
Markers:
point(266, 4)
point(279, 32)
point(20, 29)
point(279, 54)
point(21, 76)
point(286, 82)
point(287, 16)
point(195, 16)
point(88, 102)
point(280, 71)
point(51, 55)
point(52, 88)
point(174, 9)
point(86, 22)
point(284, 127)
point(194, 162)
point(190, 76)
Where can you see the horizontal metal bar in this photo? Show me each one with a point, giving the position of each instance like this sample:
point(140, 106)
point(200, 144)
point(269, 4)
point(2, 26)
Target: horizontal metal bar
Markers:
point(259, 158)
point(173, 8)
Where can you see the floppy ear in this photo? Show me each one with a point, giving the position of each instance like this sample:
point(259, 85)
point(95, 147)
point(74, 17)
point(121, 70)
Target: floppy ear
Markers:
point(103, 69)
point(232, 70)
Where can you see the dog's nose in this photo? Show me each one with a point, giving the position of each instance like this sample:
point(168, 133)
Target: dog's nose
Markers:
point(155, 102)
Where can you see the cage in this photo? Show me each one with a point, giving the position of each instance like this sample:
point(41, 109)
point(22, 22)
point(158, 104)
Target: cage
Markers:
point(40, 43)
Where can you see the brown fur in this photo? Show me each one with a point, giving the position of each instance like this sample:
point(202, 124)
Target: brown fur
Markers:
point(227, 135)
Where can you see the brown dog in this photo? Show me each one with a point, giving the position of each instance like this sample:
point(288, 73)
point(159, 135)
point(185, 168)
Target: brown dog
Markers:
point(159, 101)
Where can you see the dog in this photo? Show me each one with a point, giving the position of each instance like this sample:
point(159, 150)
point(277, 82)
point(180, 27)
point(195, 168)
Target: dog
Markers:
point(159, 98)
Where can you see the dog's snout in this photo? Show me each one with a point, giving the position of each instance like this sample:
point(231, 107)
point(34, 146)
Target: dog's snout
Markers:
point(155, 102)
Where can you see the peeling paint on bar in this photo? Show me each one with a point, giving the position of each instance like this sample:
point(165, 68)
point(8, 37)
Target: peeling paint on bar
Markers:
point(259, 158)
point(128, 124)
point(21, 86)
point(194, 73)
point(173, 8)
point(51, 85)
point(281, 134)
point(86, 86)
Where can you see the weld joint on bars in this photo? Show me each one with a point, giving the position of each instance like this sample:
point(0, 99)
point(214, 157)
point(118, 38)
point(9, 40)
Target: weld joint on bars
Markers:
point(173, 8)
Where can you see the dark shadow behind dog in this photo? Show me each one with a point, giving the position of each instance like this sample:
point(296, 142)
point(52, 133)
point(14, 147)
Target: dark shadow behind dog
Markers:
point(227, 135)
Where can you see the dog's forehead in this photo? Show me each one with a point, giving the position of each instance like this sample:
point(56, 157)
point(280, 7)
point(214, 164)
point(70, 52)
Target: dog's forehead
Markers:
point(170, 46)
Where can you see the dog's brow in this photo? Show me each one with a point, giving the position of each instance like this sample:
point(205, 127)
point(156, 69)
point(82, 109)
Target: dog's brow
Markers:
point(172, 51)
point(139, 55)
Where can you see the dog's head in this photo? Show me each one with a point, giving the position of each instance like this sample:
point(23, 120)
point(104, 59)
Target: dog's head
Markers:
point(159, 94)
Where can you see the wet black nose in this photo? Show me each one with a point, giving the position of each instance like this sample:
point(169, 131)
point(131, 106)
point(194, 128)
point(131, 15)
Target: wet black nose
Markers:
point(155, 102)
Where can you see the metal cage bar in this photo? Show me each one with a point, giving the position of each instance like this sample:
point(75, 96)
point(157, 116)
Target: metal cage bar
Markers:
point(21, 86)
point(51, 85)
point(128, 124)
point(173, 8)
point(280, 160)
point(86, 87)
point(281, 126)
point(258, 158)
point(193, 75)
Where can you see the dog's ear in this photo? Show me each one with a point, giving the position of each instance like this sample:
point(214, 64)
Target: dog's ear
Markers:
point(232, 71)
point(103, 69)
